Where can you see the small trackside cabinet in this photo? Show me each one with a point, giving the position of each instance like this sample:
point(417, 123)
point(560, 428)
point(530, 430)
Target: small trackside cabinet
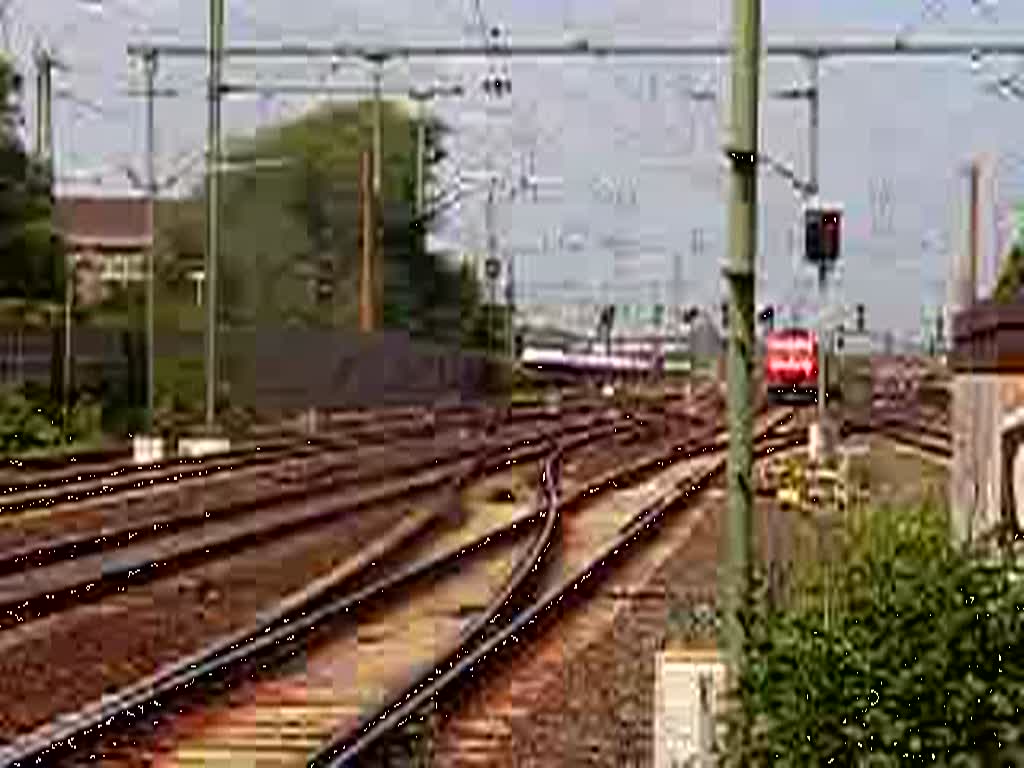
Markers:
point(687, 687)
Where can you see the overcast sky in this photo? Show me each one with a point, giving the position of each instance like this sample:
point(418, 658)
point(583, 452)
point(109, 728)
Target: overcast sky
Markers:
point(641, 186)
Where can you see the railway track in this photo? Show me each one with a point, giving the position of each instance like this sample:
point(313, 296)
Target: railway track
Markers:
point(81, 481)
point(927, 429)
point(187, 500)
point(538, 521)
point(196, 599)
point(203, 601)
point(912, 417)
point(928, 437)
point(27, 470)
point(35, 477)
point(37, 473)
point(575, 687)
point(553, 586)
point(933, 447)
point(913, 411)
point(44, 577)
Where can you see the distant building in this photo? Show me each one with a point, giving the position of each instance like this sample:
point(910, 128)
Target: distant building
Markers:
point(705, 340)
point(107, 235)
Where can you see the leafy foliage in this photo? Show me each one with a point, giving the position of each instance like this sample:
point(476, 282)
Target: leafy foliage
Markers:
point(31, 421)
point(923, 659)
point(291, 231)
point(179, 390)
point(291, 237)
point(31, 256)
point(1011, 276)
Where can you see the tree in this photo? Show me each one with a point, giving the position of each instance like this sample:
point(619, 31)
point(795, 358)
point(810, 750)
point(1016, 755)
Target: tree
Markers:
point(1011, 276)
point(31, 254)
point(291, 229)
point(922, 661)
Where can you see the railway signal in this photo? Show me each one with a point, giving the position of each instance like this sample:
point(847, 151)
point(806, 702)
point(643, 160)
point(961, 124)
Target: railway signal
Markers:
point(497, 85)
point(493, 268)
point(605, 323)
point(324, 290)
point(324, 281)
point(768, 318)
point(861, 324)
point(823, 235)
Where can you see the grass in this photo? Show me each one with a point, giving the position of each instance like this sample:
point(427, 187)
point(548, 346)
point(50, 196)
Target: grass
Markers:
point(900, 487)
point(69, 449)
point(526, 397)
point(899, 478)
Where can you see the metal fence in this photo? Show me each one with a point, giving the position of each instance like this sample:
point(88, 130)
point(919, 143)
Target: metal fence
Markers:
point(267, 369)
point(35, 356)
point(25, 356)
point(287, 369)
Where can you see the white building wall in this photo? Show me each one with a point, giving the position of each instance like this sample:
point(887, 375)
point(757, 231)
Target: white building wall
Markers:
point(976, 474)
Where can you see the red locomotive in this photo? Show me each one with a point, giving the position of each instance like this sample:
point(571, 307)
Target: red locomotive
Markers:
point(791, 366)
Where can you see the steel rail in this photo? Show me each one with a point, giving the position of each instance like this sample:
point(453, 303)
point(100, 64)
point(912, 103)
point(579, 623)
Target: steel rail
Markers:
point(316, 480)
point(120, 575)
point(288, 621)
point(348, 750)
point(119, 475)
point(297, 616)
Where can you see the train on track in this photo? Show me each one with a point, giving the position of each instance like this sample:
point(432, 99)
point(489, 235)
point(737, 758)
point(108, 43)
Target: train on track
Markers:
point(789, 372)
point(791, 366)
point(570, 363)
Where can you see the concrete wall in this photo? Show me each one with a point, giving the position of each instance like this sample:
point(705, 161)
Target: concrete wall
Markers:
point(1011, 467)
point(974, 477)
point(269, 369)
point(288, 369)
point(987, 478)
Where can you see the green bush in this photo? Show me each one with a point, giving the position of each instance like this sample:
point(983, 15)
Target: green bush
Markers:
point(30, 421)
point(922, 659)
point(24, 424)
point(179, 385)
point(85, 421)
point(499, 377)
point(871, 538)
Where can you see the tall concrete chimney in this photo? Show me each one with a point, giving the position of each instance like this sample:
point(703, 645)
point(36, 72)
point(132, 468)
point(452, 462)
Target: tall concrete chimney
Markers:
point(964, 285)
point(974, 234)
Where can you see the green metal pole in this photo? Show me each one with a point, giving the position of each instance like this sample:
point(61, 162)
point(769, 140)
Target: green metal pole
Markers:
point(150, 62)
point(44, 149)
point(377, 140)
point(813, 190)
point(421, 153)
point(510, 307)
point(738, 541)
point(44, 109)
point(213, 162)
point(378, 201)
point(492, 256)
